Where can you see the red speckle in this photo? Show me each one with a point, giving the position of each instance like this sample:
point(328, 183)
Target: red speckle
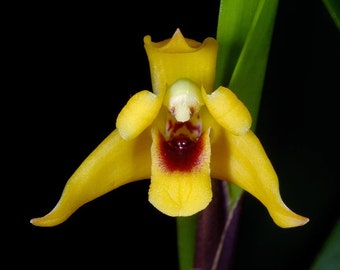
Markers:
point(190, 126)
point(180, 153)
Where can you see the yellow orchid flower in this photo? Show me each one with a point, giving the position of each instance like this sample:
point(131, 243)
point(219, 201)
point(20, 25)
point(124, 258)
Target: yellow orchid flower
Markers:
point(180, 136)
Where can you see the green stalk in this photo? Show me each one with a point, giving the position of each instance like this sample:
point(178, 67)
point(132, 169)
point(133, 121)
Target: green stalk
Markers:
point(186, 238)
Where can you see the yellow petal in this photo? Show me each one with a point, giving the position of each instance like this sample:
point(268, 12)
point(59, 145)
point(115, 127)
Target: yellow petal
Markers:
point(110, 165)
point(180, 182)
point(140, 111)
point(243, 161)
point(179, 58)
point(228, 110)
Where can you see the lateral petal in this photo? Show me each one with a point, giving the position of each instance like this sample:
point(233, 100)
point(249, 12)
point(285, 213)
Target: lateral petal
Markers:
point(139, 112)
point(178, 188)
point(248, 166)
point(110, 165)
point(228, 110)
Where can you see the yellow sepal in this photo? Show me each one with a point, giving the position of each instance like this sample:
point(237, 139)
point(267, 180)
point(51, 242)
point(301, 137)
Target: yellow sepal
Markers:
point(178, 193)
point(180, 57)
point(139, 112)
point(248, 166)
point(228, 110)
point(110, 165)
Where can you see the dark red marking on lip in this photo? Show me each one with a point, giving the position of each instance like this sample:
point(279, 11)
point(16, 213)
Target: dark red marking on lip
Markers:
point(180, 153)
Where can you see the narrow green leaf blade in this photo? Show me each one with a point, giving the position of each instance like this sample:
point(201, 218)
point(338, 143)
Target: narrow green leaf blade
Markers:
point(249, 73)
point(329, 257)
point(235, 18)
point(333, 7)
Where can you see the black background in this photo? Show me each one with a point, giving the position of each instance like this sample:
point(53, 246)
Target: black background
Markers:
point(73, 67)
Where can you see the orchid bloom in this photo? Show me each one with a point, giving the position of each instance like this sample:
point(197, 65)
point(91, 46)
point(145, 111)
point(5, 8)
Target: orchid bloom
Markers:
point(179, 136)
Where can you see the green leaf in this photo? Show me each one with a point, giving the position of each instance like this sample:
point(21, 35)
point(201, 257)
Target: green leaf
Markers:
point(333, 7)
point(329, 257)
point(244, 33)
point(234, 20)
point(249, 73)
